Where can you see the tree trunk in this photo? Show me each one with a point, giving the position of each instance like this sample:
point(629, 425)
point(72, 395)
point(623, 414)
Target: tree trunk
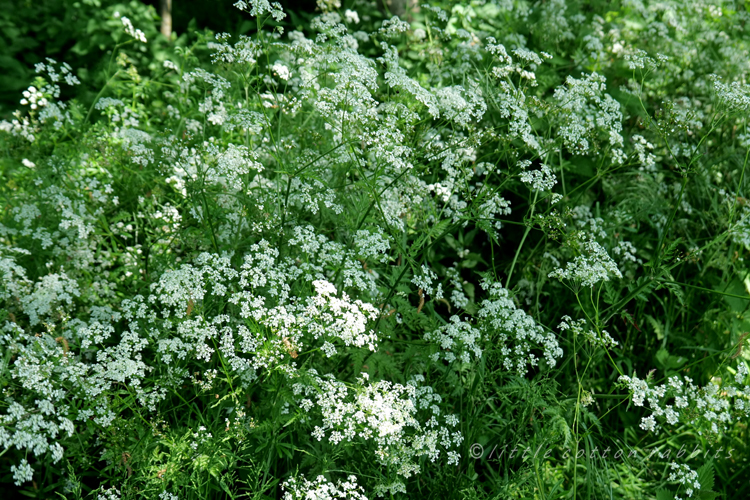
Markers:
point(399, 7)
point(166, 17)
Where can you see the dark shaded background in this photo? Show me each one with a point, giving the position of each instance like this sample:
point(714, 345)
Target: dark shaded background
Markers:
point(82, 33)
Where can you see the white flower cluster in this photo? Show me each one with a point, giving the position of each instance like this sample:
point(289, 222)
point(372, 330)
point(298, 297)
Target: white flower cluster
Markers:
point(639, 59)
point(710, 407)
point(462, 105)
point(244, 51)
point(132, 31)
point(43, 102)
point(440, 13)
point(458, 297)
point(263, 7)
point(37, 423)
point(425, 283)
point(458, 339)
point(594, 266)
point(20, 126)
point(351, 16)
point(736, 96)
point(686, 476)
point(511, 100)
point(321, 489)
point(393, 27)
point(386, 414)
point(514, 333)
point(33, 98)
point(587, 110)
point(587, 399)
point(740, 231)
point(390, 489)
point(644, 149)
point(541, 180)
point(281, 323)
point(328, 5)
point(109, 494)
point(13, 280)
point(51, 292)
point(213, 105)
point(372, 244)
point(22, 473)
point(281, 70)
point(56, 74)
point(529, 59)
point(494, 207)
point(593, 227)
point(626, 253)
point(579, 327)
point(396, 77)
point(125, 121)
point(340, 318)
point(232, 164)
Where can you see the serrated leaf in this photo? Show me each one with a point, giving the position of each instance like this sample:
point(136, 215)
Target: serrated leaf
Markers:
point(706, 477)
point(664, 495)
point(707, 495)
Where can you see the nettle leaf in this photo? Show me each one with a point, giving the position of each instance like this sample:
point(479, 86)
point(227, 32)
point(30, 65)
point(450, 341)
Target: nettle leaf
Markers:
point(664, 495)
point(706, 477)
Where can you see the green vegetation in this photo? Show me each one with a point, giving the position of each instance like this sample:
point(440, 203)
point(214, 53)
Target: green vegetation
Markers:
point(486, 250)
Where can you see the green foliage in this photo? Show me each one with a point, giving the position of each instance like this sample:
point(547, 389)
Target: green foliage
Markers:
point(493, 250)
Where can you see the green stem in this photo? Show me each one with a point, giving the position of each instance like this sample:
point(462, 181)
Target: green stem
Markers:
point(529, 225)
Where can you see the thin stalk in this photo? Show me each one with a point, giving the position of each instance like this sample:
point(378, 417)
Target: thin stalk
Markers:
point(525, 234)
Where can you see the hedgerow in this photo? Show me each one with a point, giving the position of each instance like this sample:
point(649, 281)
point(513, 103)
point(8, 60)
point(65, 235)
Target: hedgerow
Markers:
point(491, 249)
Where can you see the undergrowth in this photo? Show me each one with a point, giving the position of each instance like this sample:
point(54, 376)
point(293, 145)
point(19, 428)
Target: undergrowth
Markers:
point(494, 249)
